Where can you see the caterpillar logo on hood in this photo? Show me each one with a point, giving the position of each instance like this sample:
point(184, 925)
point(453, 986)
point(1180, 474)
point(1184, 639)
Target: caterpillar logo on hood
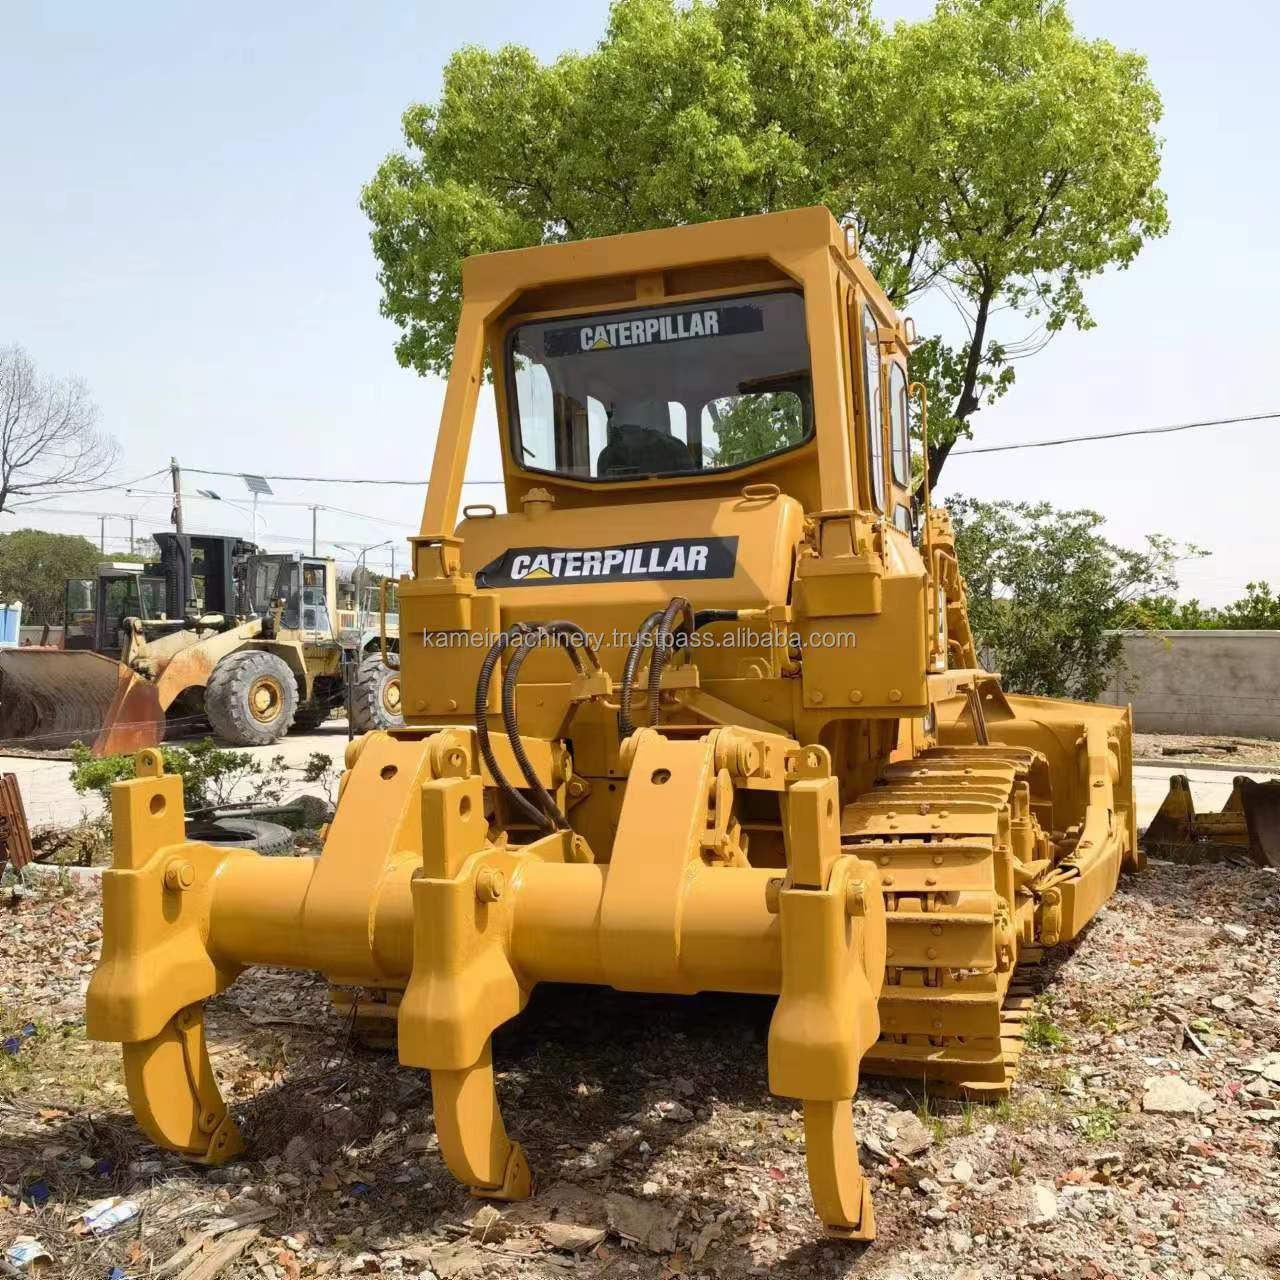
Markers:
point(669, 558)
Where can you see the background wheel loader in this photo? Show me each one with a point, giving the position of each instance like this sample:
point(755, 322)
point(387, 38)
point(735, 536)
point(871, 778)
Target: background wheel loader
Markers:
point(702, 712)
point(216, 630)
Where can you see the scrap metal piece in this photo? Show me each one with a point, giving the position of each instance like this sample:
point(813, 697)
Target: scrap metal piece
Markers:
point(1261, 804)
point(1249, 823)
point(15, 835)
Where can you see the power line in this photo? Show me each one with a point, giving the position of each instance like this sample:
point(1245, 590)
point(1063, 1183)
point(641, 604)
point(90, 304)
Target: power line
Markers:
point(75, 493)
point(271, 502)
point(1117, 435)
point(417, 484)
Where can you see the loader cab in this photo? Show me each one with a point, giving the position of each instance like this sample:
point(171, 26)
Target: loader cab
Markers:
point(95, 609)
point(301, 587)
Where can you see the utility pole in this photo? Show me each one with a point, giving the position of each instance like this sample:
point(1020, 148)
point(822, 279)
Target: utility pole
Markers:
point(313, 529)
point(176, 475)
point(131, 544)
point(102, 534)
point(393, 562)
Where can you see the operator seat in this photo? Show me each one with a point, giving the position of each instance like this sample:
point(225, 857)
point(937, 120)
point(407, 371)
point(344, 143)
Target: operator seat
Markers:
point(640, 442)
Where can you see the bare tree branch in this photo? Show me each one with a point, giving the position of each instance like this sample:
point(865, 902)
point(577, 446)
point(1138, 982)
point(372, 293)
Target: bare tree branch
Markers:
point(49, 436)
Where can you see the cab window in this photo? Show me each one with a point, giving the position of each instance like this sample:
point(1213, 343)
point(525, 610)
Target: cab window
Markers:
point(899, 437)
point(683, 389)
point(871, 400)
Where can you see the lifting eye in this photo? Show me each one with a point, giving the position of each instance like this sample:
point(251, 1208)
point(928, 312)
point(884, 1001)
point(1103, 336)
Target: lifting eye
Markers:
point(659, 776)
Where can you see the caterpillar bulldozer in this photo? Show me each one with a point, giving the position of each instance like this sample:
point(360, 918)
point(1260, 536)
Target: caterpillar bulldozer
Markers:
point(216, 630)
point(700, 712)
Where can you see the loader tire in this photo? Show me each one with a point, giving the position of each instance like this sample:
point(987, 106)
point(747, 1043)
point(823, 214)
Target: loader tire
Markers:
point(375, 700)
point(251, 699)
point(267, 838)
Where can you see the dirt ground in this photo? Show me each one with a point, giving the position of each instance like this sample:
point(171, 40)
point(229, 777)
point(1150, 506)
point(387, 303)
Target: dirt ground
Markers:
point(1202, 748)
point(658, 1150)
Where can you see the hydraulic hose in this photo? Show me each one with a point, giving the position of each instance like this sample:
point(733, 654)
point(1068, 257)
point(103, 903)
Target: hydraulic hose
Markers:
point(540, 820)
point(702, 618)
point(705, 617)
point(665, 641)
point(564, 634)
point(626, 726)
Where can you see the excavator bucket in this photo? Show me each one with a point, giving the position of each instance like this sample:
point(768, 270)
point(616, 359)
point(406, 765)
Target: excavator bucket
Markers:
point(50, 698)
point(700, 711)
point(1249, 823)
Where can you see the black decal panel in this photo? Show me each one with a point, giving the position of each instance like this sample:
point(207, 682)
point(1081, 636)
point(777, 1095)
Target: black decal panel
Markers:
point(662, 560)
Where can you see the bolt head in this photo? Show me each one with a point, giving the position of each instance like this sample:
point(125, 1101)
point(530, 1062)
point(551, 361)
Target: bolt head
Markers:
point(490, 883)
point(179, 875)
point(855, 898)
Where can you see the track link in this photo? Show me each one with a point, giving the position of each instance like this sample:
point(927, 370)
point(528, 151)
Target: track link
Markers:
point(956, 833)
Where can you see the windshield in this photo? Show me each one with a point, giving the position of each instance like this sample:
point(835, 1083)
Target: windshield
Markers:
point(270, 580)
point(154, 601)
point(691, 387)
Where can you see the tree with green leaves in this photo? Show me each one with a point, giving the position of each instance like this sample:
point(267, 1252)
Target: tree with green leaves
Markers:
point(34, 567)
point(1015, 160)
point(989, 152)
point(1257, 610)
point(751, 426)
point(1047, 592)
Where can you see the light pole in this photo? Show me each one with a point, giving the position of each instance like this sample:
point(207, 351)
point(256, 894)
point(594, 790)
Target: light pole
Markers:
point(360, 553)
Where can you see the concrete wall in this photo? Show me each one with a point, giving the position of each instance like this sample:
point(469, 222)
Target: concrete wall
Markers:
point(1225, 682)
point(34, 635)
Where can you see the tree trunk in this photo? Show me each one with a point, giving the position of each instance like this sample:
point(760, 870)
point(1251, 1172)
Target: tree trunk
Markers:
point(969, 399)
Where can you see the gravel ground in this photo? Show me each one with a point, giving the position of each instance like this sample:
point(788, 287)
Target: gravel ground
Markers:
point(658, 1150)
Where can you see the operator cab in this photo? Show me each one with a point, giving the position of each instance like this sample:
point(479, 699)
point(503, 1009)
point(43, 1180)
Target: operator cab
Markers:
point(95, 609)
point(297, 585)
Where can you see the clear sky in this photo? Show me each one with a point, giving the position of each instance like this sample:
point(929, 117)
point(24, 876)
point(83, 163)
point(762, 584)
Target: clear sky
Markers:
point(179, 225)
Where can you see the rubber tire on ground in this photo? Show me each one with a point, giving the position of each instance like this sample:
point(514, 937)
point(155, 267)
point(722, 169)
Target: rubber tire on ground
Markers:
point(226, 700)
point(268, 838)
point(368, 706)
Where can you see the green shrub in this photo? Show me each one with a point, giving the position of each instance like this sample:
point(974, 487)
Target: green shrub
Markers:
point(210, 774)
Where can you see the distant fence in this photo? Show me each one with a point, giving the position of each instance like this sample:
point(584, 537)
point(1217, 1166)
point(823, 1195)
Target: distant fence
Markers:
point(1225, 682)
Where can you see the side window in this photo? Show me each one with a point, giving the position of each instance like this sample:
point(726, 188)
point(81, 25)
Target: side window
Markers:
point(899, 437)
point(871, 398)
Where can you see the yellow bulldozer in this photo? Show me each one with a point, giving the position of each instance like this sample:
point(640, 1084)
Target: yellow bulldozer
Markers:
point(700, 712)
point(216, 631)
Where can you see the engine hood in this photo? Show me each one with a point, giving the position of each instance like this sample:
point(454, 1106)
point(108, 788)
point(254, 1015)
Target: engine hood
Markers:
point(727, 553)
